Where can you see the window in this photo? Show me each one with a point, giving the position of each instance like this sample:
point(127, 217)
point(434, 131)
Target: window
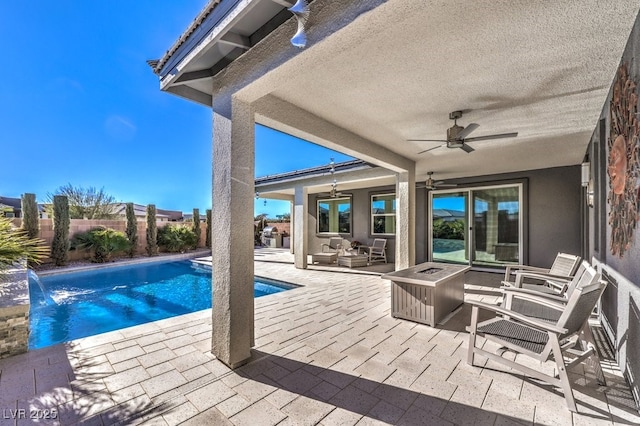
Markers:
point(383, 214)
point(334, 215)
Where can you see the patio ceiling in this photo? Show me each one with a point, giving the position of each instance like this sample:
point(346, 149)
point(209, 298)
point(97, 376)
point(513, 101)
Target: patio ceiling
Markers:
point(542, 69)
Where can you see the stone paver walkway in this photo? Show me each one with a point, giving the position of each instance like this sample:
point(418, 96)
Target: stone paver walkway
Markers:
point(327, 353)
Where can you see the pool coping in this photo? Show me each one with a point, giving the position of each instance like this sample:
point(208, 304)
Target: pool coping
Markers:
point(142, 260)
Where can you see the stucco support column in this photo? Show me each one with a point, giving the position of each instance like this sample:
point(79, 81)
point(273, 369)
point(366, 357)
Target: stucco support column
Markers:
point(406, 219)
point(232, 241)
point(300, 212)
point(292, 233)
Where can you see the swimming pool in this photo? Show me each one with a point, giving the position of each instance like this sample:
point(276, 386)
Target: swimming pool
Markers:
point(80, 304)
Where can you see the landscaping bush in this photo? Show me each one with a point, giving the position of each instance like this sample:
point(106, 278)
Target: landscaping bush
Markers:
point(132, 230)
point(152, 231)
point(102, 242)
point(209, 222)
point(176, 238)
point(453, 230)
point(16, 246)
point(196, 227)
point(30, 217)
point(61, 222)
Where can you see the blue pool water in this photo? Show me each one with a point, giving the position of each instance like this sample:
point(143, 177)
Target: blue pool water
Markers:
point(74, 305)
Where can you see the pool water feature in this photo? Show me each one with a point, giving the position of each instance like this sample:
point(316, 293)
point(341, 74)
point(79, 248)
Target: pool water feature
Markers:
point(73, 305)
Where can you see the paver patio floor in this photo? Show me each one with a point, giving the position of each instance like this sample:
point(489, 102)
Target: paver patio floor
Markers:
point(327, 353)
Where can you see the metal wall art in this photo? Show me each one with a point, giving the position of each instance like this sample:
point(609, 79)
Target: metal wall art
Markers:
point(623, 162)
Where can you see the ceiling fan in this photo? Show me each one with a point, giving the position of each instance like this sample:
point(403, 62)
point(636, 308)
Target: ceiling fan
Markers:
point(457, 135)
point(430, 184)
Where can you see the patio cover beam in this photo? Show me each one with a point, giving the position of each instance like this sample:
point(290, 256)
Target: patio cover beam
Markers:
point(278, 114)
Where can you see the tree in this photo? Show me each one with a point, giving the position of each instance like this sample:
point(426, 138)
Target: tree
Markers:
point(61, 222)
point(152, 231)
point(30, 217)
point(16, 246)
point(209, 223)
point(196, 226)
point(87, 203)
point(132, 230)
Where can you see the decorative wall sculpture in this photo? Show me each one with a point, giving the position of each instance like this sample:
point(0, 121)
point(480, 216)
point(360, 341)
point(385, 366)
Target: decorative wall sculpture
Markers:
point(623, 163)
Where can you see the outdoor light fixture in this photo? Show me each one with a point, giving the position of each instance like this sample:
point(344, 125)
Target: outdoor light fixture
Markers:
point(301, 11)
point(586, 174)
point(587, 182)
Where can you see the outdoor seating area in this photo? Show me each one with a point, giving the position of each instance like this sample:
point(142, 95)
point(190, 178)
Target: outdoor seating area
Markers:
point(353, 364)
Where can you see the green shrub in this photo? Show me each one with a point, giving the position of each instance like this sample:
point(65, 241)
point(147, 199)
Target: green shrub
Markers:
point(453, 230)
point(16, 246)
point(102, 242)
point(132, 230)
point(196, 227)
point(176, 238)
point(61, 222)
point(30, 217)
point(152, 231)
point(209, 222)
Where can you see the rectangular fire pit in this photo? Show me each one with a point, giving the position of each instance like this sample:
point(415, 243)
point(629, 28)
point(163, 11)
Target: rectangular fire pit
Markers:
point(428, 292)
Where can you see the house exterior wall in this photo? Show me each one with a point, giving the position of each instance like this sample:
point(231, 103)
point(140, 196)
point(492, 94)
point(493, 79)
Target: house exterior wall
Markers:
point(613, 231)
point(552, 217)
point(551, 210)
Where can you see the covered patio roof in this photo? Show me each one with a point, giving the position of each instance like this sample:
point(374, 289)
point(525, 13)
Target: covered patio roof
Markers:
point(376, 74)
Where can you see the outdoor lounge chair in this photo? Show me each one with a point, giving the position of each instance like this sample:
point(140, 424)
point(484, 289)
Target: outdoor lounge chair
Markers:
point(546, 280)
point(523, 300)
point(377, 251)
point(329, 252)
point(567, 337)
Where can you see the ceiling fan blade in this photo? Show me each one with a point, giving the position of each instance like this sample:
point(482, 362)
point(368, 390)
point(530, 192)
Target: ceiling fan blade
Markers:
point(430, 149)
point(426, 140)
point(466, 148)
point(488, 137)
point(467, 130)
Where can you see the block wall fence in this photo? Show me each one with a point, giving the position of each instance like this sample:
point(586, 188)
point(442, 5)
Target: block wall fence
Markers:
point(83, 225)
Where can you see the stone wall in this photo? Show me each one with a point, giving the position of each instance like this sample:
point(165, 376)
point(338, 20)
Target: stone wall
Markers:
point(14, 312)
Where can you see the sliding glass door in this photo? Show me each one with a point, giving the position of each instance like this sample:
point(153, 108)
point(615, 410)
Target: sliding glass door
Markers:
point(477, 226)
point(449, 226)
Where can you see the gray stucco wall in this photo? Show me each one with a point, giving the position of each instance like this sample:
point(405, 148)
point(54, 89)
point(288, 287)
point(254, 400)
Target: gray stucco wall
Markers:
point(551, 210)
point(622, 269)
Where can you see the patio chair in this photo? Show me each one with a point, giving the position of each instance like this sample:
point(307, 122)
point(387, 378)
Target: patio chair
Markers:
point(329, 252)
point(377, 251)
point(569, 337)
point(334, 245)
point(524, 300)
point(549, 280)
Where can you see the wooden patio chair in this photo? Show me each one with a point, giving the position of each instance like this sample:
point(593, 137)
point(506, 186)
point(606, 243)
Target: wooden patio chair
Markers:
point(568, 337)
point(550, 280)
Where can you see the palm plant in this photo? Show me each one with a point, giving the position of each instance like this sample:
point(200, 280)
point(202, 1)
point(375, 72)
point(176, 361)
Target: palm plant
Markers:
point(16, 246)
point(103, 243)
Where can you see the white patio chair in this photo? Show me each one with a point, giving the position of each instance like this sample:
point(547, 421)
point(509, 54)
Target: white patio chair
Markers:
point(568, 337)
point(549, 280)
point(378, 250)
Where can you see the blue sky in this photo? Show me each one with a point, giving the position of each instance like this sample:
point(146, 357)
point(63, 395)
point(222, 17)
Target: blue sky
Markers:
point(80, 105)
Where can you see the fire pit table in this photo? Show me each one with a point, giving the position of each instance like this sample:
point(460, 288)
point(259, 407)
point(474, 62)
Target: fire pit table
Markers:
point(428, 292)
